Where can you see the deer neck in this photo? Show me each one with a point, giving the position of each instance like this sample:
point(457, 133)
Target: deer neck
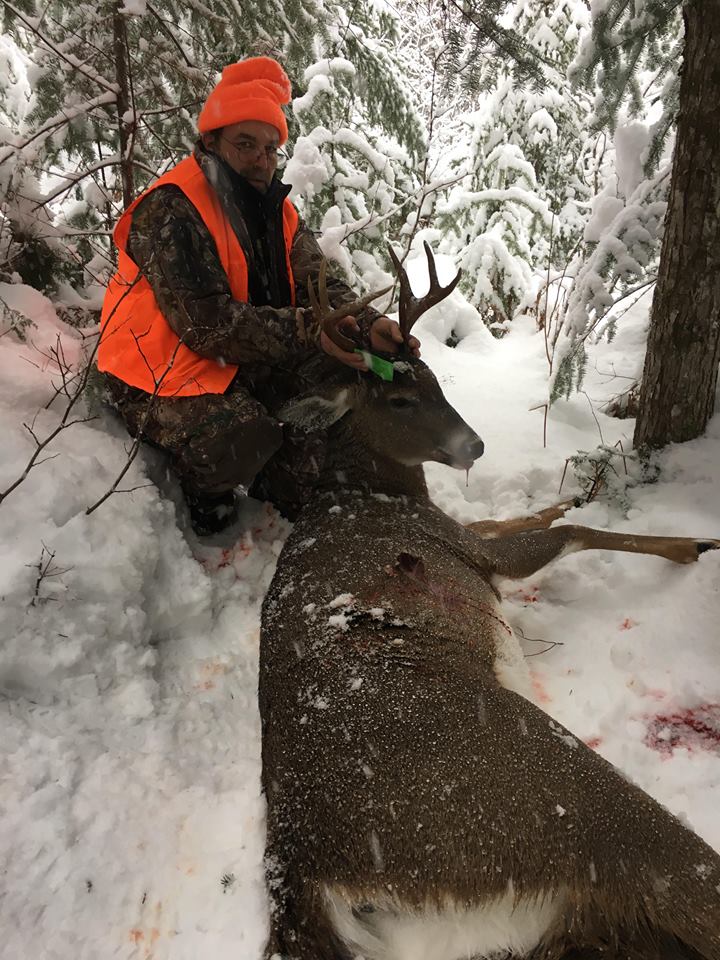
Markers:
point(351, 465)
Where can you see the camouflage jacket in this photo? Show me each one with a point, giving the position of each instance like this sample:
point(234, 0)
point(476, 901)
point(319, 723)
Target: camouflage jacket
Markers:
point(174, 250)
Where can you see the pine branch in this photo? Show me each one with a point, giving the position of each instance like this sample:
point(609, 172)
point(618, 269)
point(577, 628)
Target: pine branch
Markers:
point(72, 61)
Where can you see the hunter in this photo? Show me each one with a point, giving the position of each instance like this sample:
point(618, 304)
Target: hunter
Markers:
point(208, 313)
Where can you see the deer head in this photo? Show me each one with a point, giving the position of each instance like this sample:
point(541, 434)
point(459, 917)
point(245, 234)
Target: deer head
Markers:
point(405, 418)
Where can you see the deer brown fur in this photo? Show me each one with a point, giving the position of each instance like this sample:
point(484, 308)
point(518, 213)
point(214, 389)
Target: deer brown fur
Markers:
point(419, 805)
point(404, 775)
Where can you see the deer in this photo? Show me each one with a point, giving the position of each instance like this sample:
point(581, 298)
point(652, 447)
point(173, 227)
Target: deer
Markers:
point(419, 805)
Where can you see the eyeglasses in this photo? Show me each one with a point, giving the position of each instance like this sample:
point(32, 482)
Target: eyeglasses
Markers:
point(248, 149)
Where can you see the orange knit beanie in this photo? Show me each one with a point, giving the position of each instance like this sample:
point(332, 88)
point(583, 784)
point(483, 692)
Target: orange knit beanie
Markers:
point(252, 89)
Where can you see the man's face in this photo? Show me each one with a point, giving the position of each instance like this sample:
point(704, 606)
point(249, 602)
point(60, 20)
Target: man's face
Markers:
point(249, 147)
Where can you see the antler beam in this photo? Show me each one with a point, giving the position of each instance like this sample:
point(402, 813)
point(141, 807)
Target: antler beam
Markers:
point(412, 307)
point(329, 317)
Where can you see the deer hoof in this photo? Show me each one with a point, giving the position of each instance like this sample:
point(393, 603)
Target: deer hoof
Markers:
point(704, 545)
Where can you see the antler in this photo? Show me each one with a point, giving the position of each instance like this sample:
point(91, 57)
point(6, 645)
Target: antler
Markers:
point(411, 307)
point(328, 317)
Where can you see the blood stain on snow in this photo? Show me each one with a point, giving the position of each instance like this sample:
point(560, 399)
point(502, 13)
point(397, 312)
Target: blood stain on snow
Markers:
point(627, 624)
point(216, 559)
point(697, 728)
point(215, 668)
point(210, 670)
point(541, 694)
point(137, 937)
point(594, 742)
point(525, 594)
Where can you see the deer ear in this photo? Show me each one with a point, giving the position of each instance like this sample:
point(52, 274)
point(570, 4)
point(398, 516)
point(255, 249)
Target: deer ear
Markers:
point(317, 411)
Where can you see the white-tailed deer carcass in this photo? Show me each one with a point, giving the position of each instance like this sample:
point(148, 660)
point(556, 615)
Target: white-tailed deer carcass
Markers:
point(419, 807)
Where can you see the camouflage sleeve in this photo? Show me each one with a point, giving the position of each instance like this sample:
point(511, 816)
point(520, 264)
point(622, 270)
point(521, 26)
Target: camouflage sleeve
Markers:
point(176, 253)
point(306, 257)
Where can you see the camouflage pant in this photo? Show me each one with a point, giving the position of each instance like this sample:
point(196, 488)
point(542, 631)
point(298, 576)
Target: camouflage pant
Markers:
point(216, 442)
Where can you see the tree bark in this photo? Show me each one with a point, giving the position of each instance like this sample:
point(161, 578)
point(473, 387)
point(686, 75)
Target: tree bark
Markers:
point(677, 395)
point(126, 119)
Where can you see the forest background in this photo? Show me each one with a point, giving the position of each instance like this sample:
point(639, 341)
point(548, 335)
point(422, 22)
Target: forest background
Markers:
point(531, 141)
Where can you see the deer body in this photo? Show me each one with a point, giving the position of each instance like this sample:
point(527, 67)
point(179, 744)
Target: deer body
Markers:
point(409, 786)
point(419, 807)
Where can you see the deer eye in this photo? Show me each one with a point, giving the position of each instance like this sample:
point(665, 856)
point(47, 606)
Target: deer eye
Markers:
point(401, 403)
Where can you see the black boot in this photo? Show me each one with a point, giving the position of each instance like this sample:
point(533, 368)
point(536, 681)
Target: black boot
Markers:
point(212, 513)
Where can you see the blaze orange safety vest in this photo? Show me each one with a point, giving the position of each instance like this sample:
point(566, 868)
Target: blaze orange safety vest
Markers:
point(137, 344)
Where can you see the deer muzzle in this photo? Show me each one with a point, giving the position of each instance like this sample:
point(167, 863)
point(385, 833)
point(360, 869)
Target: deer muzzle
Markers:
point(461, 452)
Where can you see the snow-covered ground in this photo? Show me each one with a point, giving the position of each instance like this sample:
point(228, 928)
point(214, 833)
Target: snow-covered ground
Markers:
point(132, 822)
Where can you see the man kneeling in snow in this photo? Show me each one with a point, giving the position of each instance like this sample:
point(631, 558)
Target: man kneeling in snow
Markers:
point(207, 316)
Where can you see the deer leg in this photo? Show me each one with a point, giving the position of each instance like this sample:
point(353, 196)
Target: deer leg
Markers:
point(301, 929)
point(677, 549)
point(522, 554)
point(535, 521)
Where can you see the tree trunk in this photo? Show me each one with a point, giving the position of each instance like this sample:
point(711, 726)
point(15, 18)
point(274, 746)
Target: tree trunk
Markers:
point(681, 366)
point(126, 118)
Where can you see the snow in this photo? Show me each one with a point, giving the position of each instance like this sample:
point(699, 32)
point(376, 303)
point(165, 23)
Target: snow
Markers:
point(329, 66)
point(342, 600)
point(606, 207)
point(317, 85)
point(631, 142)
point(136, 8)
point(307, 171)
point(133, 819)
point(18, 93)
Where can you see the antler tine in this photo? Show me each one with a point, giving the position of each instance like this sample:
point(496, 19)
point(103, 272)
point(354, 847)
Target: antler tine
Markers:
point(322, 288)
point(328, 317)
point(432, 269)
point(314, 302)
point(436, 293)
point(406, 296)
point(411, 308)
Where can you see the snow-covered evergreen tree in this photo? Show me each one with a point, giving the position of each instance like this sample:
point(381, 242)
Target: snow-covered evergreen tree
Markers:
point(524, 147)
point(633, 51)
point(630, 58)
point(116, 90)
point(360, 141)
point(114, 94)
point(482, 43)
point(491, 227)
point(353, 179)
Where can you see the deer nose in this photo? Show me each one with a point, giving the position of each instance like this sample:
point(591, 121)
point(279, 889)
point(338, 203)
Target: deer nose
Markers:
point(463, 453)
point(477, 448)
point(472, 450)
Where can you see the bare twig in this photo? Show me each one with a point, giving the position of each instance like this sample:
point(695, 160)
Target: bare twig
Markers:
point(138, 439)
point(547, 295)
point(546, 408)
point(562, 478)
point(128, 463)
point(549, 643)
point(45, 571)
point(592, 411)
point(622, 454)
point(65, 421)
